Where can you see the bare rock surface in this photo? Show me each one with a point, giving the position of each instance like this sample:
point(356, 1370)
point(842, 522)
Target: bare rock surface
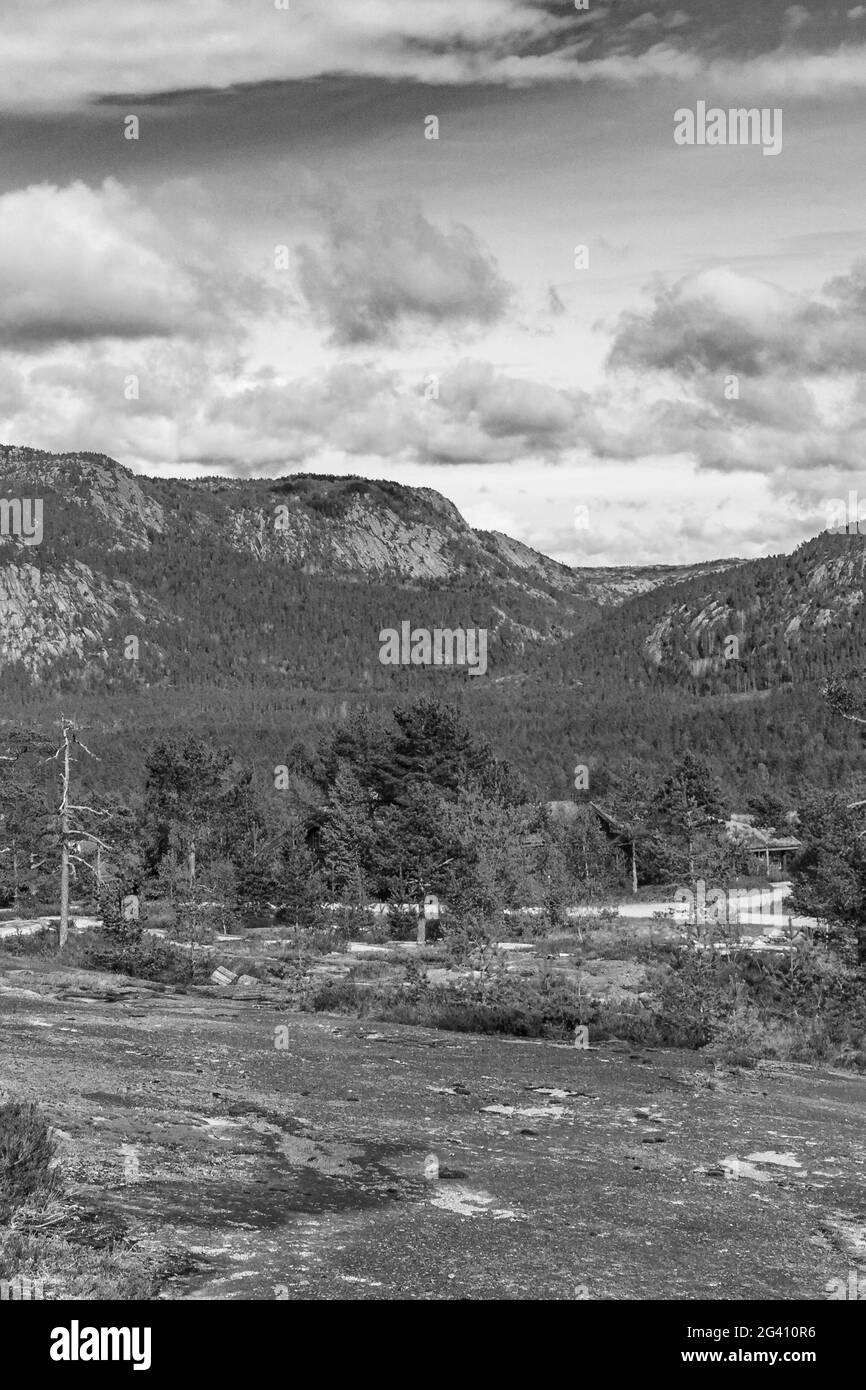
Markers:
point(305, 1170)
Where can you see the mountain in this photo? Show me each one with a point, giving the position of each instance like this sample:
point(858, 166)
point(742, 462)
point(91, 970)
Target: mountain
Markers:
point(213, 572)
point(782, 621)
point(252, 608)
point(795, 618)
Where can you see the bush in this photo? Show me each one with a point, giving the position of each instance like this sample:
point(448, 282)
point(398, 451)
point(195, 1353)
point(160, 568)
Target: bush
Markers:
point(148, 958)
point(39, 943)
point(26, 1153)
point(806, 1007)
point(335, 997)
point(110, 907)
point(331, 936)
point(694, 999)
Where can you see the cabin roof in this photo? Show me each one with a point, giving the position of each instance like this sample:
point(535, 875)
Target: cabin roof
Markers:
point(754, 838)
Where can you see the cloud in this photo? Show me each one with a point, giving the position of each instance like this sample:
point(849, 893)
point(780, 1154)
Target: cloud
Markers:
point(509, 408)
point(81, 263)
point(478, 416)
point(795, 17)
point(196, 409)
point(720, 320)
point(800, 405)
point(150, 48)
point(380, 267)
point(739, 376)
point(647, 20)
point(792, 73)
point(555, 303)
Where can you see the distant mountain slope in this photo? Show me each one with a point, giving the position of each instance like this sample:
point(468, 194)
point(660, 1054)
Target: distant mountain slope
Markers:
point(787, 619)
point(607, 585)
point(212, 574)
point(252, 608)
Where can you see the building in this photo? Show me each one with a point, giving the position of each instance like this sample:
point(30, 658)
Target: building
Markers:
point(771, 852)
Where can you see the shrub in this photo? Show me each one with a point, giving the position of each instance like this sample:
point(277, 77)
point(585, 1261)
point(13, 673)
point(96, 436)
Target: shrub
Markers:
point(26, 1152)
point(39, 943)
point(335, 996)
point(148, 958)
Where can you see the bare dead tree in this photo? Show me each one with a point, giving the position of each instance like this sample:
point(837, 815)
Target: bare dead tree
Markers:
point(67, 808)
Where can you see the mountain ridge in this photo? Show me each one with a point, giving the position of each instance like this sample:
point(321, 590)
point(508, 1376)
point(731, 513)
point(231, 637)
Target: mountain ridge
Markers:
point(258, 603)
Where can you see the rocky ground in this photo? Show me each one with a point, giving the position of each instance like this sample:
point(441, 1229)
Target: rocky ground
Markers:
point(306, 1156)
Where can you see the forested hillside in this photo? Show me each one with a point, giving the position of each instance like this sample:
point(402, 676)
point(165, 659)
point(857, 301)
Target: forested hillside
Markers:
point(250, 611)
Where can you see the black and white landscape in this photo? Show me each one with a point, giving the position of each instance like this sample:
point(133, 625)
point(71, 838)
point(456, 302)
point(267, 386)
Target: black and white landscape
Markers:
point(432, 656)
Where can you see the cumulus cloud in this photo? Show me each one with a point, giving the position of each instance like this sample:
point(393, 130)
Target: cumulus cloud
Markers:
point(798, 409)
point(721, 320)
point(741, 377)
point(478, 416)
point(81, 263)
point(379, 267)
point(507, 408)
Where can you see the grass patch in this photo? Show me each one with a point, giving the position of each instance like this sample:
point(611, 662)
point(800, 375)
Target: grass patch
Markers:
point(76, 1254)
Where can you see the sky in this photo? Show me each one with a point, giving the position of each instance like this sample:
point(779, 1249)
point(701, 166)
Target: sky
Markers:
point(284, 272)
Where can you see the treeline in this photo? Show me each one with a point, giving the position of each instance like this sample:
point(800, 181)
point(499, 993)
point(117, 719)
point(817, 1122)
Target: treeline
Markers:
point(785, 739)
point(388, 807)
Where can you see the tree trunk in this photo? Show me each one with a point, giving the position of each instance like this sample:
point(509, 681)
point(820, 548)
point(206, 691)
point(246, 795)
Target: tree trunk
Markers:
point(64, 845)
point(64, 887)
point(633, 869)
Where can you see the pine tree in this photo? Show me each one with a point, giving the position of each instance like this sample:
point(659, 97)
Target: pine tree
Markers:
point(347, 836)
point(687, 814)
point(630, 797)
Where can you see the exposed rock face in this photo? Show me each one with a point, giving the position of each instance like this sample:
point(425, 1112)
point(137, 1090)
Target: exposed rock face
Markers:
point(64, 612)
point(91, 481)
point(363, 542)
